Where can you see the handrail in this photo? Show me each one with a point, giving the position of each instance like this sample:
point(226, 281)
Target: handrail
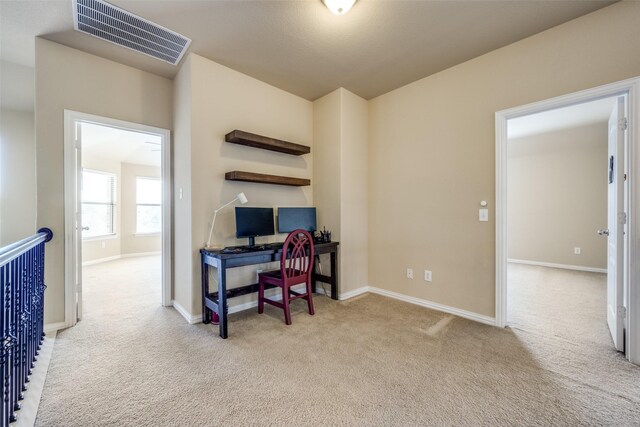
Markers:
point(14, 250)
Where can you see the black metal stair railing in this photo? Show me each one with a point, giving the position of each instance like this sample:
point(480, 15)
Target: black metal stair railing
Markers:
point(22, 318)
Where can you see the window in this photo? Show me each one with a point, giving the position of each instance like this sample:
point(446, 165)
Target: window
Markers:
point(148, 201)
point(98, 203)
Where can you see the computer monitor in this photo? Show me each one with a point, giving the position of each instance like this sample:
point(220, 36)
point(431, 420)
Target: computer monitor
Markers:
point(254, 222)
point(290, 219)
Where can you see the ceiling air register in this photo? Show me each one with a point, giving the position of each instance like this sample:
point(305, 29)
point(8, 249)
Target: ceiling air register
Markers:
point(110, 23)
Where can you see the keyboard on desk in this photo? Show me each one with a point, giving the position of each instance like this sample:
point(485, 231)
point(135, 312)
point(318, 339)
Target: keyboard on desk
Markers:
point(246, 249)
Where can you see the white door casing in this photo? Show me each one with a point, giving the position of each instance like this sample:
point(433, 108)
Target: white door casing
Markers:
point(72, 203)
point(78, 220)
point(630, 89)
point(616, 219)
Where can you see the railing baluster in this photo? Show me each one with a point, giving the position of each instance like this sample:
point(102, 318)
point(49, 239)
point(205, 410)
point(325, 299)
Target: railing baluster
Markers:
point(22, 317)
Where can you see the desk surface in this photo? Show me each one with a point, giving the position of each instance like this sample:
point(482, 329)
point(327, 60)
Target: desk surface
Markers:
point(267, 249)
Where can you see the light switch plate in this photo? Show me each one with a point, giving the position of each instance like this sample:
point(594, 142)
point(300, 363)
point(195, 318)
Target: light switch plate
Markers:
point(483, 214)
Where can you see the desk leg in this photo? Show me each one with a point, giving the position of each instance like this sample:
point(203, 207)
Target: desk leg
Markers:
point(206, 313)
point(222, 299)
point(313, 273)
point(334, 275)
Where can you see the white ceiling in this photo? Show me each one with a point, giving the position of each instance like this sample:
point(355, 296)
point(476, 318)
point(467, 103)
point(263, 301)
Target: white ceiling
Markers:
point(561, 118)
point(113, 145)
point(301, 47)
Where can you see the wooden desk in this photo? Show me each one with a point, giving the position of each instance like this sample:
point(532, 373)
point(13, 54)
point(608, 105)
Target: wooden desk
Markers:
point(217, 301)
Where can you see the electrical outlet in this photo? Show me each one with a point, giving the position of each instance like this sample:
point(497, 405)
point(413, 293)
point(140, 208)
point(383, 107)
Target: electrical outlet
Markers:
point(104, 245)
point(427, 275)
point(409, 273)
point(577, 250)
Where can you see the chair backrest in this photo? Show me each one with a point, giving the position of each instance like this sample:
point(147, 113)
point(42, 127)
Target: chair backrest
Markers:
point(297, 255)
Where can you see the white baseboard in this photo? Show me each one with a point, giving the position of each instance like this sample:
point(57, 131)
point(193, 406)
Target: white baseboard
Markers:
point(428, 304)
point(354, 293)
point(54, 327)
point(190, 318)
point(115, 257)
point(100, 260)
point(563, 266)
point(137, 254)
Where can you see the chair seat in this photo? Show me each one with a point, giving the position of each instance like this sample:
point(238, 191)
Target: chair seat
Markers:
point(277, 275)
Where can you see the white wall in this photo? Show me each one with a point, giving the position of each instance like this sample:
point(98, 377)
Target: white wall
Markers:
point(220, 100)
point(17, 176)
point(557, 196)
point(69, 79)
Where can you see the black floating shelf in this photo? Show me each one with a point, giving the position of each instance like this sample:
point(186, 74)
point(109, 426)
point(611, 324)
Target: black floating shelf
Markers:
point(264, 142)
point(266, 179)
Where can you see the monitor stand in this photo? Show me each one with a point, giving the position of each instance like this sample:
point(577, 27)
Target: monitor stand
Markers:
point(252, 241)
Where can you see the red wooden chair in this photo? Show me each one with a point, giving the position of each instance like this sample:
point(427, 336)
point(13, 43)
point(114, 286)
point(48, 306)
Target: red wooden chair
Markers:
point(295, 268)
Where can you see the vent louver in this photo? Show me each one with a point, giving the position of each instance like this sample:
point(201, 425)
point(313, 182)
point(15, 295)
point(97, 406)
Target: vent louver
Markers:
point(110, 23)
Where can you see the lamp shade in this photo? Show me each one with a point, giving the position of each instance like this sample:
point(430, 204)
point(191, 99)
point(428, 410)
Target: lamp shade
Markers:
point(339, 7)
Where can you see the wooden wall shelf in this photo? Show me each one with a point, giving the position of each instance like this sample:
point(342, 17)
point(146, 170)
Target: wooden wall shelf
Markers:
point(258, 141)
point(266, 179)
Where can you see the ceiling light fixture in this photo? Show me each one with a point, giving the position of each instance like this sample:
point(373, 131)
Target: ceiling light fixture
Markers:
point(339, 7)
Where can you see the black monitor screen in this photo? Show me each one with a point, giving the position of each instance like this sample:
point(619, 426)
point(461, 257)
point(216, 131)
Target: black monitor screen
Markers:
point(290, 219)
point(252, 222)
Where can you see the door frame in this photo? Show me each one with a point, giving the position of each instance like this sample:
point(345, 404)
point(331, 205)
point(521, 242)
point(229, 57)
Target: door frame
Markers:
point(631, 90)
point(70, 118)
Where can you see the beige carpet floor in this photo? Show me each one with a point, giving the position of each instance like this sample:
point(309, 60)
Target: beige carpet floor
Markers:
point(368, 361)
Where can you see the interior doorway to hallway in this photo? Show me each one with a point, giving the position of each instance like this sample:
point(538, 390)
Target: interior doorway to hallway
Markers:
point(616, 212)
point(117, 206)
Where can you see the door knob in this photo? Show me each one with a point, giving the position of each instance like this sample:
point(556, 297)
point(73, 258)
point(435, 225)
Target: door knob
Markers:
point(603, 232)
point(85, 228)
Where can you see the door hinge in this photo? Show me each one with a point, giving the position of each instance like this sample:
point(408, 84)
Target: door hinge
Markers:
point(622, 123)
point(622, 217)
point(622, 312)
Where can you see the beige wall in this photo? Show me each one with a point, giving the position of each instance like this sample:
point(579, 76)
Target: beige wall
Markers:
point(221, 100)
point(96, 248)
point(17, 176)
point(69, 79)
point(132, 243)
point(340, 175)
point(557, 196)
point(433, 148)
point(183, 292)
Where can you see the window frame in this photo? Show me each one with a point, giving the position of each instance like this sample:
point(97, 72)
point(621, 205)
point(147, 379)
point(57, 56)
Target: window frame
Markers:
point(159, 205)
point(114, 204)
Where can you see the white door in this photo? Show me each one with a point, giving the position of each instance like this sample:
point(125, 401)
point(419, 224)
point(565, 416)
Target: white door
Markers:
point(79, 227)
point(616, 219)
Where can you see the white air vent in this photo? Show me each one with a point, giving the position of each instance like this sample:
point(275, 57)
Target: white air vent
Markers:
point(110, 23)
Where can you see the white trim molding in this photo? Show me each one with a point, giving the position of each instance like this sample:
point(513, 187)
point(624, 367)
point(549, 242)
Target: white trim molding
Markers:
point(435, 306)
point(631, 90)
point(70, 119)
point(51, 328)
point(192, 319)
point(562, 266)
point(100, 260)
point(421, 302)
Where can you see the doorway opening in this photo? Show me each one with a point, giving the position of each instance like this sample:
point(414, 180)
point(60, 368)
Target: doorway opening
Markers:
point(117, 213)
point(563, 174)
point(557, 197)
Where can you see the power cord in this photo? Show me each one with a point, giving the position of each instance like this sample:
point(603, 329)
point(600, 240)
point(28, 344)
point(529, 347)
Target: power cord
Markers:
point(317, 257)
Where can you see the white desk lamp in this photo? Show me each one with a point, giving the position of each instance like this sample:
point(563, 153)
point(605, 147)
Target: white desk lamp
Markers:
point(242, 198)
